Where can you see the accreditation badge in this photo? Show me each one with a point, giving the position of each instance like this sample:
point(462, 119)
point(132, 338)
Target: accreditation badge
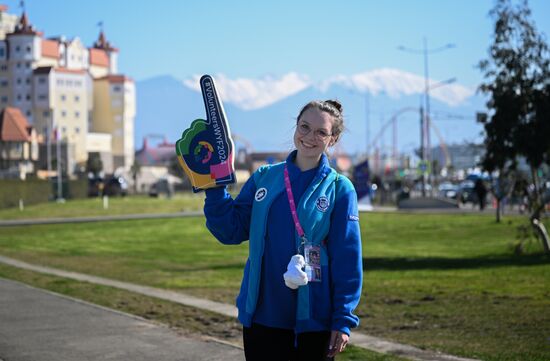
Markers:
point(313, 262)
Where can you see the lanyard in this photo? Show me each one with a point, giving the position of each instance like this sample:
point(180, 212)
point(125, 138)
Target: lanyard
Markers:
point(299, 228)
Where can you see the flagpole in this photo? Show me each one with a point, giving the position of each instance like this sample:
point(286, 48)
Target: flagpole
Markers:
point(59, 175)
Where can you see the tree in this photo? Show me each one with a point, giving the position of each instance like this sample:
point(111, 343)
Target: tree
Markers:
point(517, 81)
point(135, 169)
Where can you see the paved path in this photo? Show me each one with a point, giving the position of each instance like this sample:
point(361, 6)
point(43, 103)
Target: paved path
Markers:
point(39, 325)
point(125, 217)
point(358, 339)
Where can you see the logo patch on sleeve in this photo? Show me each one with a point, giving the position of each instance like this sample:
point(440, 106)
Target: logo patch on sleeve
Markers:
point(260, 194)
point(353, 217)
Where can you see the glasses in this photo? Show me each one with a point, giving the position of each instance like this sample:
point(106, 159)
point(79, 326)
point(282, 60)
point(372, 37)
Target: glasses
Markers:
point(320, 134)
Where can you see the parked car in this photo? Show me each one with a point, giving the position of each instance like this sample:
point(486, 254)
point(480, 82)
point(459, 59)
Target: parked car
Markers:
point(466, 192)
point(448, 190)
point(116, 186)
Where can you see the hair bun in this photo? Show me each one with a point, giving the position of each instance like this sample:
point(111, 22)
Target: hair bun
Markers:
point(335, 103)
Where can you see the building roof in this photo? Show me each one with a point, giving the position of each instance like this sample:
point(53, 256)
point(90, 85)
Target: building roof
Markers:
point(161, 155)
point(70, 71)
point(14, 126)
point(50, 48)
point(116, 78)
point(43, 70)
point(99, 57)
point(103, 44)
point(3, 8)
point(48, 69)
point(24, 27)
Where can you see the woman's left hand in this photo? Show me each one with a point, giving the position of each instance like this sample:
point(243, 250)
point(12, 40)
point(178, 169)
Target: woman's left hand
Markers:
point(338, 342)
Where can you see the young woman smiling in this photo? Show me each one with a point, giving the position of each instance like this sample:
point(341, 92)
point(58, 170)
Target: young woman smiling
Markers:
point(301, 211)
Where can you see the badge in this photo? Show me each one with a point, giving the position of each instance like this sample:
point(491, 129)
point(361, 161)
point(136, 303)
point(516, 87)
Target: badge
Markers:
point(313, 262)
point(322, 203)
point(260, 194)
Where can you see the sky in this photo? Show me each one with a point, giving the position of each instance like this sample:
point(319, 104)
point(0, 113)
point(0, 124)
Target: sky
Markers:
point(312, 40)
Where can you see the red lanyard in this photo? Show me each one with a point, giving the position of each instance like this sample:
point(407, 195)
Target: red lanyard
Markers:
point(299, 228)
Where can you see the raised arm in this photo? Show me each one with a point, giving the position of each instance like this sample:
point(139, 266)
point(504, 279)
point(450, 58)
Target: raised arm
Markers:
point(228, 219)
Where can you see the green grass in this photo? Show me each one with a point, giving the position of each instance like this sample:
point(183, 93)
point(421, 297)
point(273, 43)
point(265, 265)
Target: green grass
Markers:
point(444, 282)
point(117, 206)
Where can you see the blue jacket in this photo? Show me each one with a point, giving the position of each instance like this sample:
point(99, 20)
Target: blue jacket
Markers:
point(261, 214)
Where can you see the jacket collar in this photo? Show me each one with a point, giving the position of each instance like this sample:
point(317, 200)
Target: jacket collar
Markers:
point(322, 169)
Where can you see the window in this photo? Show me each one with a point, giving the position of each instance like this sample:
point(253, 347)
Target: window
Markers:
point(17, 48)
point(3, 67)
point(4, 83)
point(28, 97)
point(46, 114)
point(28, 65)
point(76, 98)
point(42, 97)
point(28, 81)
point(69, 83)
point(18, 97)
point(77, 114)
point(28, 113)
point(2, 52)
point(63, 97)
point(116, 88)
point(77, 130)
point(60, 82)
point(28, 49)
point(4, 99)
point(42, 80)
point(63, 113)
point(18, 65)
point(18, 80)
point(64, 130)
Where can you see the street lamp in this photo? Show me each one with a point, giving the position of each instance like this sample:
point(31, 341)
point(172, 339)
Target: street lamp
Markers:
point(426, 126)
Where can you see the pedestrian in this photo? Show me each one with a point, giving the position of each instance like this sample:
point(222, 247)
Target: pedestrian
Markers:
point(481, 192)
point(302, 211)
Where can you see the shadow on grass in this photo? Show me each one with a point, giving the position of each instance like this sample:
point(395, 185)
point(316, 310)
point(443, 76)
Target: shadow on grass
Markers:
point(419, 263)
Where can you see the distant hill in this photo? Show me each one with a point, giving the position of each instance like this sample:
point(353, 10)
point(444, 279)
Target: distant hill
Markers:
point(166, 105)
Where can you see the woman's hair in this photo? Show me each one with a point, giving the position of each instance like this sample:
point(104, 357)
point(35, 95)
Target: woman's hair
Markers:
point(334, 108)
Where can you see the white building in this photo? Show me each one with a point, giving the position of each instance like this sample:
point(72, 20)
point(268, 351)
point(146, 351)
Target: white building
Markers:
point(62, 85)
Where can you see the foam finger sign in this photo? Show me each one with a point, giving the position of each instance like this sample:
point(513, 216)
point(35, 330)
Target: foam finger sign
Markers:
point(205, 149)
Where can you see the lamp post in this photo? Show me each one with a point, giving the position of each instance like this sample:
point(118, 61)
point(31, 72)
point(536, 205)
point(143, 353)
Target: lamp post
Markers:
point(426, 126)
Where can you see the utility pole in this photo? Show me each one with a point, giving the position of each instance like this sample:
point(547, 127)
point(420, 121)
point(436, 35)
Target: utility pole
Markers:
point(426, 125)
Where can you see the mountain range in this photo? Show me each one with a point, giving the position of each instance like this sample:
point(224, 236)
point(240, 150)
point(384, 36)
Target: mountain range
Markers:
point(262, 112)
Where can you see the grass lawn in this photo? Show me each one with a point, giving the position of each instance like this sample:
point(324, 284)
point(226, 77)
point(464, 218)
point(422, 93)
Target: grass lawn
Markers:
point(443, 282)
point(117, 206)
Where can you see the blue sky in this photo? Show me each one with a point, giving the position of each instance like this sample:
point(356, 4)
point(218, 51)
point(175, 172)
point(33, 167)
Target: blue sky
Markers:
point(252, 39)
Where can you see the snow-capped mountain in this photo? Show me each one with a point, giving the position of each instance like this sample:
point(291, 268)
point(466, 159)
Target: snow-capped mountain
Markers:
point(263, 111)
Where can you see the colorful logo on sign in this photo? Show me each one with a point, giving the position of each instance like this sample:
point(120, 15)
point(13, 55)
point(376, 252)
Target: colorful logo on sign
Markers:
point(205, 149)
point(203, 152)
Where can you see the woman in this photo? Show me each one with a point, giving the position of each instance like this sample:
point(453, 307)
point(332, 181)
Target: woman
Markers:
point(283, 320)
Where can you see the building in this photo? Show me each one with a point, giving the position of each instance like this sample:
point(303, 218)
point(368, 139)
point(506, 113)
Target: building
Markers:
point(18, 144)
point(62, 86)
point(114, 111)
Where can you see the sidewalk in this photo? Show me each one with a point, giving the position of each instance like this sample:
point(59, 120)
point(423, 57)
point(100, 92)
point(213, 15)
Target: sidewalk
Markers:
point(39, 325)
point(358, 339)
